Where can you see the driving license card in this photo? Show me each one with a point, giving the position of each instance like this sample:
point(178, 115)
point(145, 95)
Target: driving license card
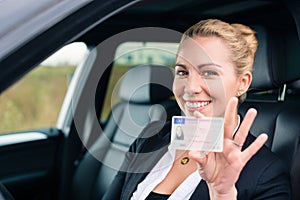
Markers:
point(190, 133)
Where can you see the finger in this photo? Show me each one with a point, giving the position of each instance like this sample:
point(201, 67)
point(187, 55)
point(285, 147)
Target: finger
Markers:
point(245, 126)
point(230, 117)
point(254, 147)
point(199, 156)
point(198, 114)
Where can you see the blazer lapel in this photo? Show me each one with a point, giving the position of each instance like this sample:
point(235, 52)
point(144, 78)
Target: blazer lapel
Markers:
point(201, 192)
point(142, 164)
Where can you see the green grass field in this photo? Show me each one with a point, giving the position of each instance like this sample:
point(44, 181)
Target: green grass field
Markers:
point(35, 101)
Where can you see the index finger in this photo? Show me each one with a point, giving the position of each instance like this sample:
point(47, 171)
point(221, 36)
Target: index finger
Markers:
point(230, 117)
point(254, 147)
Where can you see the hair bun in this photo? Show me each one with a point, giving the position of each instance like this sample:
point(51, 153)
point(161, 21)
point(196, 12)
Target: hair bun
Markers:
point(249, 35)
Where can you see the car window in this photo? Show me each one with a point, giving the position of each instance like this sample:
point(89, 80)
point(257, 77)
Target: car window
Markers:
point(35, 100)
point(130, 54)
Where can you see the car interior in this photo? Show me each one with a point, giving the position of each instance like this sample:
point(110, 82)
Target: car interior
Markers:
point(78, 157)
point(145, 93)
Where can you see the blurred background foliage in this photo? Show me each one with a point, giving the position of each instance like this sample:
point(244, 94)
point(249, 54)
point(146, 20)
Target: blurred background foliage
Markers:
point(35, 101)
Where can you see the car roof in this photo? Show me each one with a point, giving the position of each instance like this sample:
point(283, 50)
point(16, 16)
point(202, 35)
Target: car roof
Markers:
point(21, 21)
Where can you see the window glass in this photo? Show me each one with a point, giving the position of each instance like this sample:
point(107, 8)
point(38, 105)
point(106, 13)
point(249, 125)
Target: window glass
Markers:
point(35, 100)
point(131, 54)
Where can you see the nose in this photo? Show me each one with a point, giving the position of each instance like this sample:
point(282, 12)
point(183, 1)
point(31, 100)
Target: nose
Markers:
point(194, 84)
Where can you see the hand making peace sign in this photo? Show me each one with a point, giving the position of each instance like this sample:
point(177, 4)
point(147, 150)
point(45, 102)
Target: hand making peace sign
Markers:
point(221, 170)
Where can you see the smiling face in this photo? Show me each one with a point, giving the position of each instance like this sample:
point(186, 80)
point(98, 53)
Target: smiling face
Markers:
point(205, 78)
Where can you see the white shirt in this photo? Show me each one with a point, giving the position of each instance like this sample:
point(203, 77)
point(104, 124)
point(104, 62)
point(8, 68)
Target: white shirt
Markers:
point(158, 174)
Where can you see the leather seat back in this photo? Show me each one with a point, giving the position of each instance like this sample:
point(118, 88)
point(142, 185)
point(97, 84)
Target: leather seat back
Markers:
point(145, 94)
point(275, 66)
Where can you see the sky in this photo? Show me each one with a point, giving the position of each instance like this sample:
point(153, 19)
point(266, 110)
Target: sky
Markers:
point(70, 54)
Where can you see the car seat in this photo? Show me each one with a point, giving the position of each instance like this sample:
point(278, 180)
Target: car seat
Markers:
point(274, 67)
point(4, 193)
point(146, 96)
point(293, 95)
point(295, 176)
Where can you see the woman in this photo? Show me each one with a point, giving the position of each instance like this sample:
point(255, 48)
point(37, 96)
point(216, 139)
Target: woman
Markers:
point(212, 74)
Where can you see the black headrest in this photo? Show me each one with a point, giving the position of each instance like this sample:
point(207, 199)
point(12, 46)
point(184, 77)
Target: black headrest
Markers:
point(147, 84)
point(263, 67)
point(277, 59)
point(290, 71)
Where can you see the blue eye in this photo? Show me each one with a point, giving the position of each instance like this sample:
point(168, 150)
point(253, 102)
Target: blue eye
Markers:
point(209, 73)
point(181, 73)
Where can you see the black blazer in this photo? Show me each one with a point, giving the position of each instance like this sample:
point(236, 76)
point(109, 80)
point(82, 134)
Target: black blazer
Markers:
point(263, 177)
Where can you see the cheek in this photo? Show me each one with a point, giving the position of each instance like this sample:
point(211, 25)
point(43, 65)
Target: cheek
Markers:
point(222, 89)
point(178, 88)
point(219, 92)
point(228, 90)
point(231, 88)
point(216, 88)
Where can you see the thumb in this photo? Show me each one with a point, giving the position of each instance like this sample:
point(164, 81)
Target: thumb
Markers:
point(199, 156)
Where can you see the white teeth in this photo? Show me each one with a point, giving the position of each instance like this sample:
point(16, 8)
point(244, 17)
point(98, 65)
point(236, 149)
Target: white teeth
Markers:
point(197, 104)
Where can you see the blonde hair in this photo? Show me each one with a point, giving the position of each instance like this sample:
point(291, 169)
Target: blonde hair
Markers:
point(240, 40)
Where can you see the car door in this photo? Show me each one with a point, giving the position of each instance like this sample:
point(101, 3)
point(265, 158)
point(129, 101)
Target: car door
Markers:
point(31, 140)
point(37, 149)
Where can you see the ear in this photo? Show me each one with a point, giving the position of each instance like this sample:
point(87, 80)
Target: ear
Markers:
point(245, 81)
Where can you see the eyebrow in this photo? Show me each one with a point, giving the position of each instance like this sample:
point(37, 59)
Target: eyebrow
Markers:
point(198, 66)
